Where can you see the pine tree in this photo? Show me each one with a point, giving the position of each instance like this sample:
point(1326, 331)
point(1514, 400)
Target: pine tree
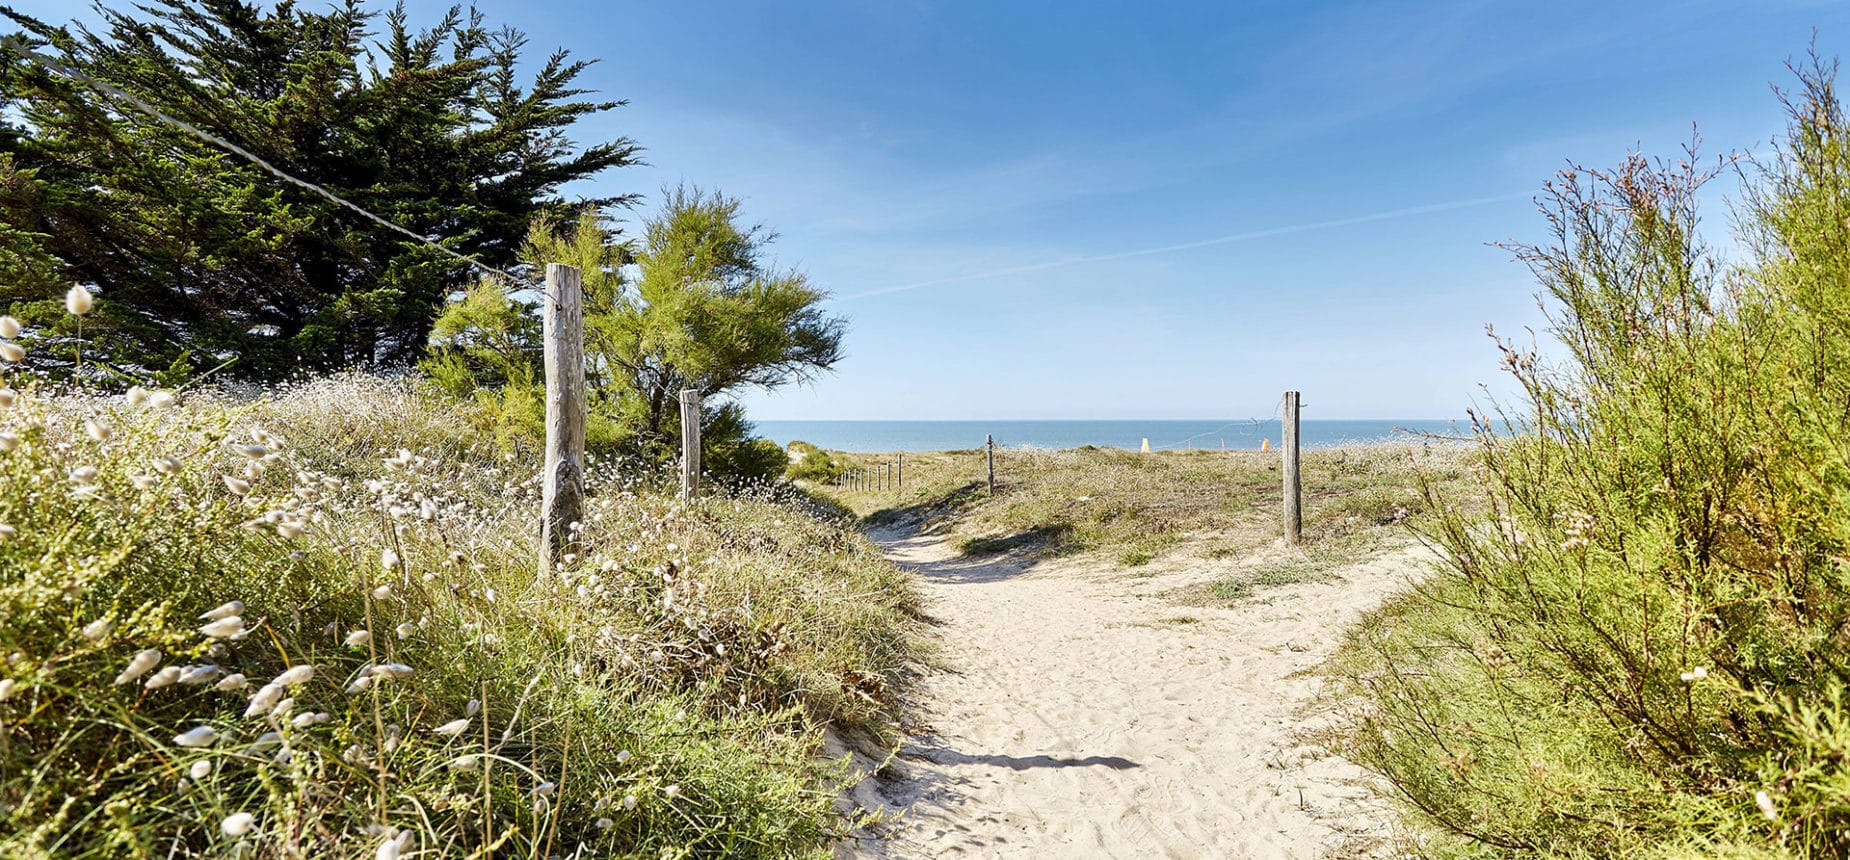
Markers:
point(199, 257)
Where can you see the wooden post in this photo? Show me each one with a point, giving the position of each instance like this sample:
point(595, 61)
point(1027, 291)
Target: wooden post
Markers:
point(989, 448)
point(899, 471)
point(690, 444)
point(1294, 519)
point(562, 333)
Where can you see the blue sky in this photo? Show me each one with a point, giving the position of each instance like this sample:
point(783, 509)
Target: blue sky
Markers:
point(1044, 210)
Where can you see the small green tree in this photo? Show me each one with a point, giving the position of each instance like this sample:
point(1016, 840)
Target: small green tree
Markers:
point(705, 310)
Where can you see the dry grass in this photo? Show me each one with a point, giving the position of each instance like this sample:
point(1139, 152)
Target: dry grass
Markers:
point(1134, 507)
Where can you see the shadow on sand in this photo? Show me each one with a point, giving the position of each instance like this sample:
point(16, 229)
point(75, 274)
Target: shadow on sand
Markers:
point(937, 753)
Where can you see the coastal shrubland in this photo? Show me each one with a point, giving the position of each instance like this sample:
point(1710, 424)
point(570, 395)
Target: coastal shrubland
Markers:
point(1637, 646)
point(314, 624)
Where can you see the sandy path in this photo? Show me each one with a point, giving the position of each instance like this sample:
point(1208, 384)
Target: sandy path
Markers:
point(1083, 716)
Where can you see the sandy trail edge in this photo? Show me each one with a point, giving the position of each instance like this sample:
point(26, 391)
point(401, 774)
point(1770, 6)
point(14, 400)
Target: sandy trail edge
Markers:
point(1081, 715)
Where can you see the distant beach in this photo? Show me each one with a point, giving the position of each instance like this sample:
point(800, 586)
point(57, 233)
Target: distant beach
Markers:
point(1169, 434)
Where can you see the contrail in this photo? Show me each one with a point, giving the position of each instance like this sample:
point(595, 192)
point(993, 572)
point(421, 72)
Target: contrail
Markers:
point(1202, 243)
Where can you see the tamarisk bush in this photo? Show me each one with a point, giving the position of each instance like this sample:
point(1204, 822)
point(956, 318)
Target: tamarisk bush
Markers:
point(1641, 649)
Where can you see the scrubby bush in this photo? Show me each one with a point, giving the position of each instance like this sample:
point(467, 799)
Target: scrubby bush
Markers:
point(311, 626)
point(815, 464)
point(1641, 649)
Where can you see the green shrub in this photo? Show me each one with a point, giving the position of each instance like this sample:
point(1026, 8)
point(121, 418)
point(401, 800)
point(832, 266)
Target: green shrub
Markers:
point(816, 464)
point(1641, 649)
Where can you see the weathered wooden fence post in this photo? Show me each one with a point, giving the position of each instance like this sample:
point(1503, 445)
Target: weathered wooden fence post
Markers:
point(690, 444)
point(562, 332)
point(989, 450)
point(899, 471)
point(1294, 519)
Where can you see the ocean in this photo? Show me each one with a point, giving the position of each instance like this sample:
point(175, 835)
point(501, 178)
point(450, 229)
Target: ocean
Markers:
point(885, 436)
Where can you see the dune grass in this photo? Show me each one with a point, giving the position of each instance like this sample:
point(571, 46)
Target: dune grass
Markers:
point(1133, 508)
point(387, 672)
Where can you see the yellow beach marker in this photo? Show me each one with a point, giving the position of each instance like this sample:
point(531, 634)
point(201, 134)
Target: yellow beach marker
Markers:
point(1146, 444)
point(1265, 444)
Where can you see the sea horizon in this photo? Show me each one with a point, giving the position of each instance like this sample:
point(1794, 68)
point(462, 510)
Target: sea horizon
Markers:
point(872, 436)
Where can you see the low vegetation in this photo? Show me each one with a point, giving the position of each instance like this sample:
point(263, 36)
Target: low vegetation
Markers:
point(1638, 648)
point(313, 626)
point(1134, 507)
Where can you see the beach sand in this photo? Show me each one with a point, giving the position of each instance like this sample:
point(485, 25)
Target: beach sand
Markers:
point(1079, 713)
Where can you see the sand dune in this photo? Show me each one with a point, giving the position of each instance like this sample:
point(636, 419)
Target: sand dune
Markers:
point(1081, 715)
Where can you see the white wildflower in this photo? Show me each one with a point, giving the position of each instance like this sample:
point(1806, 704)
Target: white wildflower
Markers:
point(96, 430)
point(291, 530)
point(143, 482)
point(671, 792)
point(382, 592)
point(139, 665)
point(405, 630)
point(237, 824)
point(9, 327)
point(1765, 802)
point(295, 675)
point(388, 559)
point(9, 441)
point(12, 352)
point(137, 395)
point(392, 671)
point(545, 788)
point(83, 476)
point(474, 707)
point(303, 720)
point(233, 681)
point(255, 452)
point(164, 678)
point(160, 399)
point(629, 801)
point(359, 685)
point(224, 610)
point(200, 770)
point(98, 629)
point(6, 688)
point(8, 532)
point(78, 301)
point(192, 675)
point(264, 700)
point(197, 736)
point(605, 824)
point(359, 638)
point(452, 728)
point(167, 466)
point(224, 627)
point(7, 396)
point(237, 486)
point(623, 757)
point(1696, 674)
point(465, 762)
